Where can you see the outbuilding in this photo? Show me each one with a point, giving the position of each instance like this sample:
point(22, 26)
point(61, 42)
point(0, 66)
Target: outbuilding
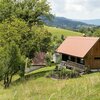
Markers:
point(80, 52)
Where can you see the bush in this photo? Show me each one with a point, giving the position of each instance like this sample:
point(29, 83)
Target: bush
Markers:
point(49, 74)
point(48, 59)
point(73, 74)
point(63, 73)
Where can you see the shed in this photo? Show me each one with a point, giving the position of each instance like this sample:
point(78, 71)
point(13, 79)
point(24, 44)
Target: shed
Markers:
point(81, 52)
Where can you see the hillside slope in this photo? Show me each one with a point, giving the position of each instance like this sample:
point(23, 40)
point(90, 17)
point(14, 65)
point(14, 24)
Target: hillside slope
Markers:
point(58, 32)
point(65, 23)
point(38, 87)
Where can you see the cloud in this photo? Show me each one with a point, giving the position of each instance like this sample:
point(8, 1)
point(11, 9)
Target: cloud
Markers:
point(57, 6)
point(76, 9)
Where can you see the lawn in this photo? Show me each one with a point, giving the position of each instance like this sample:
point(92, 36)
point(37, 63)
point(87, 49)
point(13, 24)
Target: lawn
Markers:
point(58, 32)
point(38, 87)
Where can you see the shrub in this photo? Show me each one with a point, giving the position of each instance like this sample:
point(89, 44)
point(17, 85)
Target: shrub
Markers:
point(74, 74)
point(63, 73)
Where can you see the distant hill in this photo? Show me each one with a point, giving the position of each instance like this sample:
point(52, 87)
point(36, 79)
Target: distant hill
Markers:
point(65, 23)
point(58, 32)
point(93, 21)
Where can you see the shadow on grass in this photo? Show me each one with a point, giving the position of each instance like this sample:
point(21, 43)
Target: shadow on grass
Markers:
point(31, 76)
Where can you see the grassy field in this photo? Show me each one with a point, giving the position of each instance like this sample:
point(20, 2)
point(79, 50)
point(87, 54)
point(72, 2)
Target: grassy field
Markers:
point(38, 87)
point(58, 32)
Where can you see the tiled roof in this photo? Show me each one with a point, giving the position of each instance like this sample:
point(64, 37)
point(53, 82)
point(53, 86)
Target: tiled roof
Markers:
point(77, 46)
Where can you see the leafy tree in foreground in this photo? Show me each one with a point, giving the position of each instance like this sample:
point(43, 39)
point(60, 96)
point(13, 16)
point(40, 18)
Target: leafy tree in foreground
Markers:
point(10, 62)
point(16, 30)
point(31, 11)
point(6, 9)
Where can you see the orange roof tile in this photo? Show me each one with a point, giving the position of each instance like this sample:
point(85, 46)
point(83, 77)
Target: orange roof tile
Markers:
point(77, 46)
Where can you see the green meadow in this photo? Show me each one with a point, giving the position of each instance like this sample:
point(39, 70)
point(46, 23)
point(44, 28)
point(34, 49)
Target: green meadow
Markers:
point(36, 86)
point(58, 32)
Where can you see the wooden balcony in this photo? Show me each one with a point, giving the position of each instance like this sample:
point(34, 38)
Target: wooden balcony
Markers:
point(73, 65)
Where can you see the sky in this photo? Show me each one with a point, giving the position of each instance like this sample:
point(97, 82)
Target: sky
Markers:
point(76, 9)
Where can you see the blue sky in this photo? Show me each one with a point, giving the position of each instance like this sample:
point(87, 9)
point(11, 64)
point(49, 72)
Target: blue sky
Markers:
point(76, 9)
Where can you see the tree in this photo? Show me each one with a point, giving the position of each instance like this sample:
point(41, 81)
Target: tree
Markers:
point(21, 33)
point(10, 62)
point(97, 32)
point(19, 17)
point(42, 39)
point(48, 59)
point(31, 11)
point(16, 30)
point(6, 9)
point(87, 31)
point(62, 37)
point(55, 44)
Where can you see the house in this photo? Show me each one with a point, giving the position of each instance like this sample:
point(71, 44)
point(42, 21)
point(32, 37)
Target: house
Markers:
point(39, 59)
point(80, 52)
point(37, 62)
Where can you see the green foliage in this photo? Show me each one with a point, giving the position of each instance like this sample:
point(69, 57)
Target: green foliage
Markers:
point(87, 31)
point(6, 9)
point(48, 59)
point(92, 31)
point(10, 61)
point(97, 32)
point(30, 11)
point(38, 39)
point(17, 25)
point(63, 73)
point(62, 37)
point(21, 34)
point(17, 31)
point(42, 39)
point(38, 87)
point(22, 66)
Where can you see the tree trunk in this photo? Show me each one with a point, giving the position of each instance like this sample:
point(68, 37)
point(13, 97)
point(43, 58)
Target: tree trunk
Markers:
point(10, 79)
point(6, 81)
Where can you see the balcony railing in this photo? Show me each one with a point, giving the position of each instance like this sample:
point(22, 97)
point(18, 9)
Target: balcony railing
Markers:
point(71, 64)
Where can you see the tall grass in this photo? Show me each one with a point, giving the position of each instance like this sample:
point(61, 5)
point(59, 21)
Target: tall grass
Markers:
point(37, 87)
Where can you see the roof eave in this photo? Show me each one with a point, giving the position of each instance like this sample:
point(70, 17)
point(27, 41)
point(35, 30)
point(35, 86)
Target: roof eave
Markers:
point(70, 54)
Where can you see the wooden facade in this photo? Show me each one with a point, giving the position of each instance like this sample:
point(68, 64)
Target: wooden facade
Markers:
point(92, 59)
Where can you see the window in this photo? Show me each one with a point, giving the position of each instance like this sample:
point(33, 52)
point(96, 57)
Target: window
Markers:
point(78, 60)
point(69, 57)
point(97, 58)
point(73, 59)
point(64, 57)
point(82, 61)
